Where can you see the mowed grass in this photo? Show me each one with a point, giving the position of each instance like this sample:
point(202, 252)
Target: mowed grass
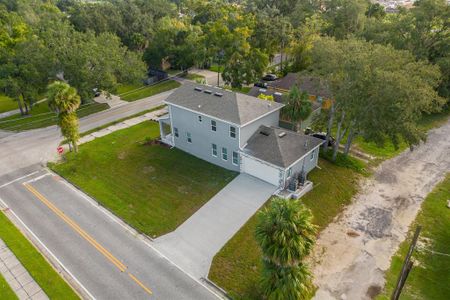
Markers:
point(6, 293)
point(237, 267)
point(45, 276)
point(151, 187)
point(136, 94)
point(41, 116)
point(430, 276)
point(7, 104)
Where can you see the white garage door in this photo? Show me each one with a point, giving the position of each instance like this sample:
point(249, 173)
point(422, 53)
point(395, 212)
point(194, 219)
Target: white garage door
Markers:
point(260, 170)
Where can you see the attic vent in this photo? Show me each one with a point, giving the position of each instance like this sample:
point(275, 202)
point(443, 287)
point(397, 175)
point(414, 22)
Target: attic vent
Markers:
point(218, 94)
point(265, 133)
point(207, 91)
point(262, 90)
point(198, 89)
point(282, 134)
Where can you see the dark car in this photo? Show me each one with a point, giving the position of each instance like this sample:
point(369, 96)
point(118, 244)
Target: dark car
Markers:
point(270, 77)
point(96, 91)
point(323, 136)
point(261, 84)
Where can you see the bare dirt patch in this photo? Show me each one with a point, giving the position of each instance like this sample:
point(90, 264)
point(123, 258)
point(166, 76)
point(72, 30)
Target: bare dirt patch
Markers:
point(352, 266)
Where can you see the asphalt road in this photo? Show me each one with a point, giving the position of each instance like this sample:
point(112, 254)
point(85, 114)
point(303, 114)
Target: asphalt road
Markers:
point(104, 258)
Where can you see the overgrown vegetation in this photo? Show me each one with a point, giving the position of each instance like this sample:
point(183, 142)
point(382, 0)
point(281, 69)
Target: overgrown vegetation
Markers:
point(430, 274)
point(44, 274)
point(149, 186)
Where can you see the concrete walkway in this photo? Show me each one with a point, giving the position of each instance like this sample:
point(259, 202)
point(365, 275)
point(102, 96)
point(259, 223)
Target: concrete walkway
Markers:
point(124, 124)
point(192, 246)
point(17, 276)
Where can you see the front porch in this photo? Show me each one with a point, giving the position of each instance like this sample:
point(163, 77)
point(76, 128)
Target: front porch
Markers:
point(165, 130)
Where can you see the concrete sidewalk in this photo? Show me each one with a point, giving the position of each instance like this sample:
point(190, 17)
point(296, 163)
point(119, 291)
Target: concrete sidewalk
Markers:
point(193, 245)
point(17, 276)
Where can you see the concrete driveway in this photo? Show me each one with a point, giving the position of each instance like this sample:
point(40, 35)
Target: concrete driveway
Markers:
point(193, 245)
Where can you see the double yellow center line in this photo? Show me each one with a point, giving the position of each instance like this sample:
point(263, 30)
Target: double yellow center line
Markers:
point(85, 235)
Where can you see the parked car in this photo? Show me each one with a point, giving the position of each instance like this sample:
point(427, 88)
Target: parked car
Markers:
point(270, 77)
point(261, 84)
point(323, 136)
point(96, 92)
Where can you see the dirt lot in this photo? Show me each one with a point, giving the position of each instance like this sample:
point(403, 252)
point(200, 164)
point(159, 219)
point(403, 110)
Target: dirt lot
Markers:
point(353, 252)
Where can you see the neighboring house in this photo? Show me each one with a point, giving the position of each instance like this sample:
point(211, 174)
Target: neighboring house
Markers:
point(238, 132)
point(319, 94)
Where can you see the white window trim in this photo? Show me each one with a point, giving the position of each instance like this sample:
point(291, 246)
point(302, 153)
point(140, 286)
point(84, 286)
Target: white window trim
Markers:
point(226, 153)
point(215, 125)
point(188, 137)
point(237, 158)
point(212, 150)
point(233, 137)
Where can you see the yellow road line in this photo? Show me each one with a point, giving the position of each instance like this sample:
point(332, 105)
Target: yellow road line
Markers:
point(77, 228)
point(140, 283)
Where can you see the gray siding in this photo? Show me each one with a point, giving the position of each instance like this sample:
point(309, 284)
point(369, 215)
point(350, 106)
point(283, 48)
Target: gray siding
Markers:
point(306, 162)
point(203, 137)
point(248, 130)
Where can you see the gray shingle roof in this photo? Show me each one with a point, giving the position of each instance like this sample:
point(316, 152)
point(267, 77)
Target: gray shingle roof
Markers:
point(268, 145)
point(230, 106)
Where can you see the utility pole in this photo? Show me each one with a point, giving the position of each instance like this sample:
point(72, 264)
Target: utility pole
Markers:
point(407, 266)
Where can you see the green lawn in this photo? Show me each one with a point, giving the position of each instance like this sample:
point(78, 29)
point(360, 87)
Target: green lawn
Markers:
point(151, 187)
point(237, 267)
point(194, 77)
point(7, 104)
point(388, 151)
point(125, 88)
point(45, 276)
point(41, 116)
point(430, 276)
point(6, 293)
point(149, 90)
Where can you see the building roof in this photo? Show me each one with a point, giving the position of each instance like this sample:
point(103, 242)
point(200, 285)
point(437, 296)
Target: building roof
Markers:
point(279, 146)
point(277, 95)
point(312, 85)
point(222, 104)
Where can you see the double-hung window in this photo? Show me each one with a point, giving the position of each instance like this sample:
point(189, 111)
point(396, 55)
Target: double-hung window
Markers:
point(213, 125)
point(232, 132)
point(175, 132)
point(313, 154)
point(235, 158)
point(188, 137)
point(214, 150)
point(224, 153)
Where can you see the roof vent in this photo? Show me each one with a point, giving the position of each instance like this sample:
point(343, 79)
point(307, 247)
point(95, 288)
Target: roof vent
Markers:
point(265, 133)
point(207, 91)
point(281, 134)
point(306, 143)
point(218, 94)
point(198, 89)
point(278, 94)
point(262, 90)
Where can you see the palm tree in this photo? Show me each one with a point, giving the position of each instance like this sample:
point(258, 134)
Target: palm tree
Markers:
point(64, 101)
point(285, 235)
point(298, 106)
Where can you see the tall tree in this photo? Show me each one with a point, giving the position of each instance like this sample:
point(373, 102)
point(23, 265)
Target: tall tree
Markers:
point(378, 91)
point(286, 235)
point(64, 101)
point(298, 106)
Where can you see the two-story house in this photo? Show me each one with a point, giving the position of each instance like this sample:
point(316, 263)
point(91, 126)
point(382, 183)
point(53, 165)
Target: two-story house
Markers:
point(238, 132)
